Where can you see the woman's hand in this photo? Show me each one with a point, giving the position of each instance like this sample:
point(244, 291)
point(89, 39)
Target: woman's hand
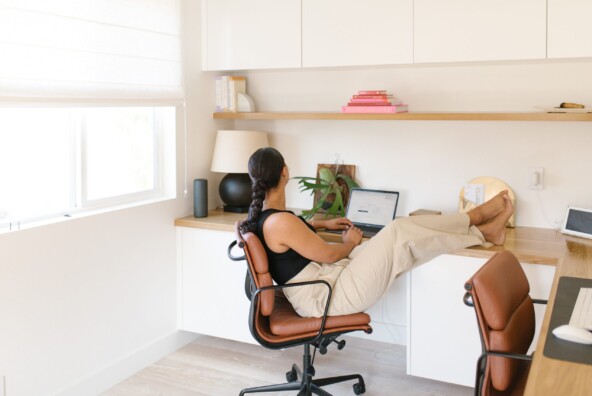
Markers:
point(353, 235)
point(338, 223)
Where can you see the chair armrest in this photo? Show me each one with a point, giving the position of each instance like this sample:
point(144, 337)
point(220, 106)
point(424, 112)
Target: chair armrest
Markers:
point(468, 300)
point(231, 256)
point(297, 284)
point(538, 301)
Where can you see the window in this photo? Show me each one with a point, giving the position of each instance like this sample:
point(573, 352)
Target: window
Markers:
point(63, 161)
point(59, 160)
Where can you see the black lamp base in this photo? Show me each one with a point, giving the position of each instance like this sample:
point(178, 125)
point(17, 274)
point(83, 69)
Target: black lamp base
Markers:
point(235, 191)
point(236, 209)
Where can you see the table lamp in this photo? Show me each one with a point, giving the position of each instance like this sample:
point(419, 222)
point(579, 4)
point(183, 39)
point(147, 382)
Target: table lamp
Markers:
point(231, 156)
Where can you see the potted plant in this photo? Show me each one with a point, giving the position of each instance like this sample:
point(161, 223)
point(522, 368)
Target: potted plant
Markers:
point(331, 189)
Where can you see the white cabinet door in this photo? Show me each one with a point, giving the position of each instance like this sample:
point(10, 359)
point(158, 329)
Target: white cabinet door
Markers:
point(569, 29)
point(444, 339)
point(354, 32)
point(213, 301)
point(254, 34)
point(479, 30)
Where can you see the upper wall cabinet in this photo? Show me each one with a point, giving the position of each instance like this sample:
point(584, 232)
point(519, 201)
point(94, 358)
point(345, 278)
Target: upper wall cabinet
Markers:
point(479, 30)
point(354, 32)
point(569, 29)
point(254, 34)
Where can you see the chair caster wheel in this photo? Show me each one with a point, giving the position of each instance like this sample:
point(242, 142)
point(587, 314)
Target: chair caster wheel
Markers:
point(292, 376)
point(359, 388)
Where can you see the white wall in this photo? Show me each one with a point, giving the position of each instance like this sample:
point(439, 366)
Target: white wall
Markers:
point(430, 161)
point(87, 302)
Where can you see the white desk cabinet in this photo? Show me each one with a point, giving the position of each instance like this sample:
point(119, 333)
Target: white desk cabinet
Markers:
point(354, 33)
point(479, 30)
point(211, 286)
point(254, 34)
point(569, 29)
point(443, 335)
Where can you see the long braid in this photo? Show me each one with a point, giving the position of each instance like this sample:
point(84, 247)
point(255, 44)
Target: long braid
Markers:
point(257, 198)
point(265, 169)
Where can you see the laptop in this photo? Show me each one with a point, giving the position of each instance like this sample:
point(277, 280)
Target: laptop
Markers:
point(371, 210)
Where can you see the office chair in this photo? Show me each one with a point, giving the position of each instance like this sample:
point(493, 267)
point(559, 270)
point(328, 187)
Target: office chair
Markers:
point(275, 325)
point(499, 292)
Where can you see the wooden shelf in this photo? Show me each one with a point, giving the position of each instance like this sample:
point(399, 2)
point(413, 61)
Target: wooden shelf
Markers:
point(407, 116)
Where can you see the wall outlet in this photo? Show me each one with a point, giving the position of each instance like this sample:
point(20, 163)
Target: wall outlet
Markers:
point(475, 193)
point(536, 178)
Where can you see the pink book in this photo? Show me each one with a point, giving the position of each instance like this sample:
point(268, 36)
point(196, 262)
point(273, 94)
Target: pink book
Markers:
point(369, 104)
point(384, 96)
point(375, 109)
point(364, 100)
point(375, 92)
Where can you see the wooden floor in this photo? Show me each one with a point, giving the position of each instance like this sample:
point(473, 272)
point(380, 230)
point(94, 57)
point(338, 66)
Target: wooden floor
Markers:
point(217, 367)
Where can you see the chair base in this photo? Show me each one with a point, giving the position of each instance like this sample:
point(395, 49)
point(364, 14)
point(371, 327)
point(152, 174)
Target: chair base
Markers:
point(307, 386)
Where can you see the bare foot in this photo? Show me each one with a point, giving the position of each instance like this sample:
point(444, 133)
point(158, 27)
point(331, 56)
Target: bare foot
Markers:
point(488, 210)
point(495, 230)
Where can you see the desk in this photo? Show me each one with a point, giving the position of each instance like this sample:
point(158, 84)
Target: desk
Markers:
point(571, 255)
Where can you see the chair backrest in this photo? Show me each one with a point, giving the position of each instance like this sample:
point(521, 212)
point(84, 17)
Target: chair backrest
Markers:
point(505, 313)
point(258, 267)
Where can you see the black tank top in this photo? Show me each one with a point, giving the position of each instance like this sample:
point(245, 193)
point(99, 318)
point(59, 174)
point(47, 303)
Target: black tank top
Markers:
point(282, 266)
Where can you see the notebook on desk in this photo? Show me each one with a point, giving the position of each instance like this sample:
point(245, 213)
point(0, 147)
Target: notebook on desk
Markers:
point(371, 210)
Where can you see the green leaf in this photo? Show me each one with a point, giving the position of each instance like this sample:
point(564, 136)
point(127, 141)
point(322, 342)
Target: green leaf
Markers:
point(351, 183)
point(326, 175)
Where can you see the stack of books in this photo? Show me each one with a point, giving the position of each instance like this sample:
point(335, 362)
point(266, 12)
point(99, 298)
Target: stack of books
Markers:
point(227, 88)
point(373, 101)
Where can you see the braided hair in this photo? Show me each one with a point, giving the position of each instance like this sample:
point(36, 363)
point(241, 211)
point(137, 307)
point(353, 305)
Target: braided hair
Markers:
point(265, 170)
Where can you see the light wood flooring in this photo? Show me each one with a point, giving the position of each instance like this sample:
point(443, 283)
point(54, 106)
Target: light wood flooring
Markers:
point(218, 367)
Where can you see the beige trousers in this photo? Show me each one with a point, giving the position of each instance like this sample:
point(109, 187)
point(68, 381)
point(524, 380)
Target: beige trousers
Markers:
point(361, 279)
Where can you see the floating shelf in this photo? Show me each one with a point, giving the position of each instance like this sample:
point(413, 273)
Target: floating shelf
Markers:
point(407, 116)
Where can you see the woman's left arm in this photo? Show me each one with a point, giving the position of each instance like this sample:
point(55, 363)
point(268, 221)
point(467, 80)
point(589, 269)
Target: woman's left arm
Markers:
point(338, 223)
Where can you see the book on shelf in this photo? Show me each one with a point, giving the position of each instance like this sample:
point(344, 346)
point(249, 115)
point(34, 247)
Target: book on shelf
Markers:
point(373, 92)
point(365, 100)
point(227, 90)
point(383, 96)
point(375, 109)
point(369, 104)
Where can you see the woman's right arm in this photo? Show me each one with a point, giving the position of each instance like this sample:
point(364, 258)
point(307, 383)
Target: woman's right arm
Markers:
point(285, 231)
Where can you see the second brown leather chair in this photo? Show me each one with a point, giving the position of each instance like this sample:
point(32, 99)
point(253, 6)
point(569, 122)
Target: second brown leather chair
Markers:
point(275, 325)
point(499, 291)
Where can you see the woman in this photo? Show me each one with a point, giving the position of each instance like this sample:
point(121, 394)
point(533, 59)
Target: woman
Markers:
point(359, 273)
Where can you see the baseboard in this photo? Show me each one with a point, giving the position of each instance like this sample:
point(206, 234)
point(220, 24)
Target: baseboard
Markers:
point(385, 332)
point(108, 376)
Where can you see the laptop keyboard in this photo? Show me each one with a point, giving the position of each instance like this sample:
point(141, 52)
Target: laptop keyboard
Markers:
point(368, 231)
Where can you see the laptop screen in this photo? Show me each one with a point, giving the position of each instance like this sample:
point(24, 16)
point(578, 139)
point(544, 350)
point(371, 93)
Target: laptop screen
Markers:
point(372, 207)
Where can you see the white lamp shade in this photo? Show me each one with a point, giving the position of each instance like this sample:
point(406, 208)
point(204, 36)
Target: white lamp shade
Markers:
point(234, 148)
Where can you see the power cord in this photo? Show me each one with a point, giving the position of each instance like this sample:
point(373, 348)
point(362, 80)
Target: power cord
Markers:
point(553, 224)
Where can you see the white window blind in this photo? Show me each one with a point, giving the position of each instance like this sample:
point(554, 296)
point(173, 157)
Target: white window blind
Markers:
point(106, 49)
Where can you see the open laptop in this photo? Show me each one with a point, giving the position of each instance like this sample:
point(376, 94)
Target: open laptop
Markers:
point(371, 210)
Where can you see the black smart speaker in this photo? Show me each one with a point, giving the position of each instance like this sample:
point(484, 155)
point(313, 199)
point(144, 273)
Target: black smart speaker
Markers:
point(200, 198)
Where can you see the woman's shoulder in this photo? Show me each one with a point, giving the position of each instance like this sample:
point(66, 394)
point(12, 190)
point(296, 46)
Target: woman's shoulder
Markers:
point(279, 217)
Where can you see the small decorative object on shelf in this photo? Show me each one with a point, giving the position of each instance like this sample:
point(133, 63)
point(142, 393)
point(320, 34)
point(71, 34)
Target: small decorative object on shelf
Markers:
point(374, 101)
point(566, 107)
point(231, 95)
point(245, 103)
